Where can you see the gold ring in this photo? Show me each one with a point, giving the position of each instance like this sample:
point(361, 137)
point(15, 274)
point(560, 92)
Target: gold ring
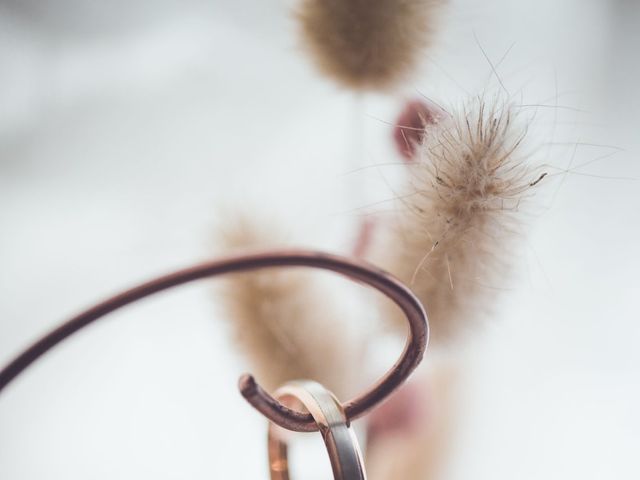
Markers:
point(326, 410)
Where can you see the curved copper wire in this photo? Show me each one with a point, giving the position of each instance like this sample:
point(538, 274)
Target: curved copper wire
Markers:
point(252, 392)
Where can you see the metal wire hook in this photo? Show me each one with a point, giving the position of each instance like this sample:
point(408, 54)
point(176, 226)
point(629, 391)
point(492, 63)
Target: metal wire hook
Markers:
point(251, 391)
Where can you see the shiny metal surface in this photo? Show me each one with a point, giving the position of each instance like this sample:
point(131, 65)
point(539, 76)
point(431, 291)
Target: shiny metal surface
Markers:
point(358, 271)
point(326, 410)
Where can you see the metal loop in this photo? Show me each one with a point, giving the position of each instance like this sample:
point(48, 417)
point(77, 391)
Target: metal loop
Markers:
point(342, 444)
point(252, 392)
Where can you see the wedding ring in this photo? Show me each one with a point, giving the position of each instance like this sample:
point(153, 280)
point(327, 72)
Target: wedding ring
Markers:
point(326, 410)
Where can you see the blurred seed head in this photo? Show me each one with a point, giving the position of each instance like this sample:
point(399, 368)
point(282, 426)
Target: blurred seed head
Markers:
point(367, 44)
point(280, 317)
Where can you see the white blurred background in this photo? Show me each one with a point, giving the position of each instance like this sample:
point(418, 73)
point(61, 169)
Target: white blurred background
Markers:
point(130, 129)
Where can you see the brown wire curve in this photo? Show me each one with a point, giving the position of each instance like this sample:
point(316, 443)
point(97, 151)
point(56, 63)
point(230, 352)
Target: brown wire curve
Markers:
point(272, 409)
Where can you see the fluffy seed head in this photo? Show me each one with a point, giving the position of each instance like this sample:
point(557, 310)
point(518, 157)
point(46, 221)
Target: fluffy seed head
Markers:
point(458, 213)
point(280, 317)
point(367, 44)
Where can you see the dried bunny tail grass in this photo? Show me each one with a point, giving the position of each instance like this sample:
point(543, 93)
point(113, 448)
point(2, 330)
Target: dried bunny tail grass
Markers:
point(367, 44)
point(281, 318)
point(459, 214)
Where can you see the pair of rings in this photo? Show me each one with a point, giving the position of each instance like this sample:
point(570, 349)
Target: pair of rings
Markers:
point(328, 413)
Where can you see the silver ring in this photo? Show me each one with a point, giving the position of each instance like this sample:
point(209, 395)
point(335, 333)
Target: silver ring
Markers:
point(326, 410)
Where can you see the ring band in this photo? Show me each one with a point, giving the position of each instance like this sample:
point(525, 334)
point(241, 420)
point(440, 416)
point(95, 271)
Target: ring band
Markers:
point(326, 410)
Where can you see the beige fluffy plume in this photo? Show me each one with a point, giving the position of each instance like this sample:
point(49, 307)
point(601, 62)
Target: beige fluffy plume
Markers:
point(288, 322)
point(458, 214)
point(367, 44)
